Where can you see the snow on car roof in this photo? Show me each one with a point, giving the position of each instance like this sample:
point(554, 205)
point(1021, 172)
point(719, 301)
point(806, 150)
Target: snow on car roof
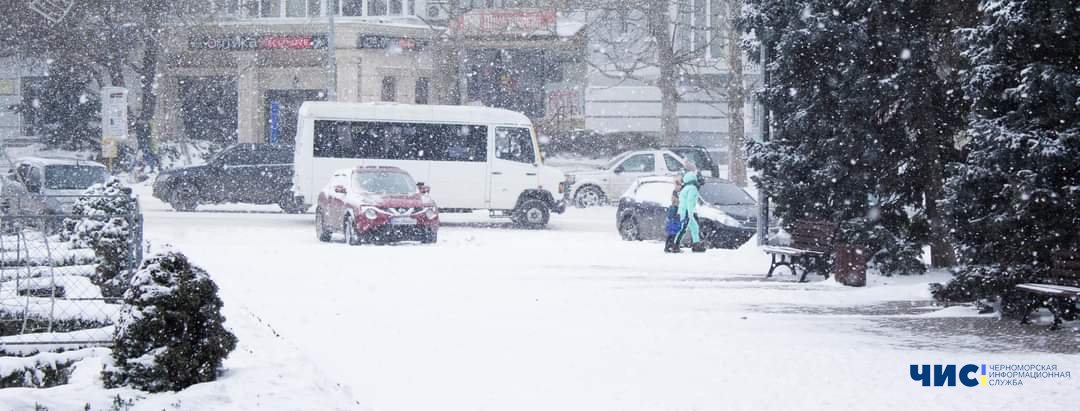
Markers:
point(46, 161)
point(385, 111)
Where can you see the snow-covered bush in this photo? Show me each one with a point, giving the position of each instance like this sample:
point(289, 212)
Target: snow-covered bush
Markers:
point(170, 333)
point(103, 229)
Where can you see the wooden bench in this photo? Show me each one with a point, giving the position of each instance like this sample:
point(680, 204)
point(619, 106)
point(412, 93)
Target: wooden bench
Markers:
point(1058, 289)
point(811, 244)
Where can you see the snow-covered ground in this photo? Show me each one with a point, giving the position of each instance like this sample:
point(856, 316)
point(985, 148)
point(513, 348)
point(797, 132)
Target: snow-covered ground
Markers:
point(569, 318)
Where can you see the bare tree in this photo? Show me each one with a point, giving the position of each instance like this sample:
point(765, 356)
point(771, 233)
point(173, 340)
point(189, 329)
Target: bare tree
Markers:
point(677, 46)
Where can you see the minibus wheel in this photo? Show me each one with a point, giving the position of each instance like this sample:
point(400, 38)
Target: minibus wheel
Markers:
point(531, 213)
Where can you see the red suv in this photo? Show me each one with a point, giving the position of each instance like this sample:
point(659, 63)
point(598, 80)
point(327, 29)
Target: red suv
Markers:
point(376, 205)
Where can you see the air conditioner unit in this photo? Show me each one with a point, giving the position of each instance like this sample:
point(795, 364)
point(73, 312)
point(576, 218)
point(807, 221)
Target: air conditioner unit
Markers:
point(436, 10)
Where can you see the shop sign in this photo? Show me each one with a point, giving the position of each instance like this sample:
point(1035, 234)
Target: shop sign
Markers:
point(242, 42)
point(504, 22)
point(367, 41)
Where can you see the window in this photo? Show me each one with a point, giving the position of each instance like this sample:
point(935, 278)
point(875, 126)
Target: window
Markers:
point(673, 164)
point(389, 88)
point(384, 182)
point(269, 8)
point(73, 177)
point(641, 163)
point(514, 144)
point(422, 85)
point(314, 8)
point(400, 141)
point(295, 8)
point(718, 26)
point(352, 7)
point(376, 7)
point(700, 28)
point(725, 194)
point(395, 7)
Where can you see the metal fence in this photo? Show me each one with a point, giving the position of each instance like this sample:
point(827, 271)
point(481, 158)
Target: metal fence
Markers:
point(59, 287)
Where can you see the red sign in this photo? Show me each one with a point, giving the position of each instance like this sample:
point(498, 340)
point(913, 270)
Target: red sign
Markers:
point(501, 22)
point(285, 42)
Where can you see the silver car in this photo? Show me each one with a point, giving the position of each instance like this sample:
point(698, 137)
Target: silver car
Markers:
point(57, 182)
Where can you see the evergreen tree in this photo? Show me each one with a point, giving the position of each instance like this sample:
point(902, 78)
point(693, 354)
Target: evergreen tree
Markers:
point(864, 115)
point(170, 334)
point(1015, 200)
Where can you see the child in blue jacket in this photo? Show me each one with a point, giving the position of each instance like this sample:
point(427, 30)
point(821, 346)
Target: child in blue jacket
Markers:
point(674, 225)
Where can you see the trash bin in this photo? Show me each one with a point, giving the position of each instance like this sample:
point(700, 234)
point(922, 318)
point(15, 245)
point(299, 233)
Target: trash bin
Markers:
point(849, 265)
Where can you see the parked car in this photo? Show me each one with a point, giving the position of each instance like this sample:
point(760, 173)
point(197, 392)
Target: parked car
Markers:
point(698, 156)
point(593, 188)
point(57, 182)
point(376, 205)
point(726, 213)
point(242, 173)
point(16, 200)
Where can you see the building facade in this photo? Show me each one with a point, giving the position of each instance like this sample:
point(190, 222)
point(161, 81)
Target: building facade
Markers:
point(242, 77)
point(20, 80)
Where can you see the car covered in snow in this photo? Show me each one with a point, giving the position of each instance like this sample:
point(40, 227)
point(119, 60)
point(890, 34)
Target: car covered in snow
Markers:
point(698, 156)
point(596, 187)
point(57, 182)
point(376, 204)
point(726, 213)
point(242, 173)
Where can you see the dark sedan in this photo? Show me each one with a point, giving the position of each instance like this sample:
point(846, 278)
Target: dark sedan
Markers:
point(242, 173)
point(726, 213)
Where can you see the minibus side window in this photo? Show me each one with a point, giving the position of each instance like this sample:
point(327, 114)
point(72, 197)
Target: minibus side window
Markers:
point(400, 141)
point(514, 144)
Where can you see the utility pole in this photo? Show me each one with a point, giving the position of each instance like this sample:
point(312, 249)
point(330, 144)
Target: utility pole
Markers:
point(331, 54)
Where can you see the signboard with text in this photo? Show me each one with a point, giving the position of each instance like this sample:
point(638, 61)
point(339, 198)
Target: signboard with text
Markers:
point(369, 41)
point(506, 22)
point(243, 42)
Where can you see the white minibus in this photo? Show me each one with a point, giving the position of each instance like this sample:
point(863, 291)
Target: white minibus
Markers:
point(473, 158)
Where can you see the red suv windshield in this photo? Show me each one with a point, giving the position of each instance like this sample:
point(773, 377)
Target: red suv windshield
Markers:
point(381, 182)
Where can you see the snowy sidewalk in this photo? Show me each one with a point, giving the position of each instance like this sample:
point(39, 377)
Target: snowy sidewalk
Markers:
point(573, 318)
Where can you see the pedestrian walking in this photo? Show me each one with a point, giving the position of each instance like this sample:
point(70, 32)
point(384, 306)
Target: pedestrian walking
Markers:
point(688, 198)
point(674, 225)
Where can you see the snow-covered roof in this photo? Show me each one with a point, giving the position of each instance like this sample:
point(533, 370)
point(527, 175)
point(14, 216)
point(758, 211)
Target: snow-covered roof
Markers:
point(411, 112)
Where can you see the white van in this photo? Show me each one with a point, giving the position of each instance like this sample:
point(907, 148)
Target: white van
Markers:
point(472, 157)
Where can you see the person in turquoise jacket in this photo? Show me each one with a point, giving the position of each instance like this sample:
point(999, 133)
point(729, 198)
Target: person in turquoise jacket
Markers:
point(688, 199)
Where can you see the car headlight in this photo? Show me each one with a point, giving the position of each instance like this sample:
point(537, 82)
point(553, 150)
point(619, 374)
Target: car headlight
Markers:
point(431, 213)
point(370, 213)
